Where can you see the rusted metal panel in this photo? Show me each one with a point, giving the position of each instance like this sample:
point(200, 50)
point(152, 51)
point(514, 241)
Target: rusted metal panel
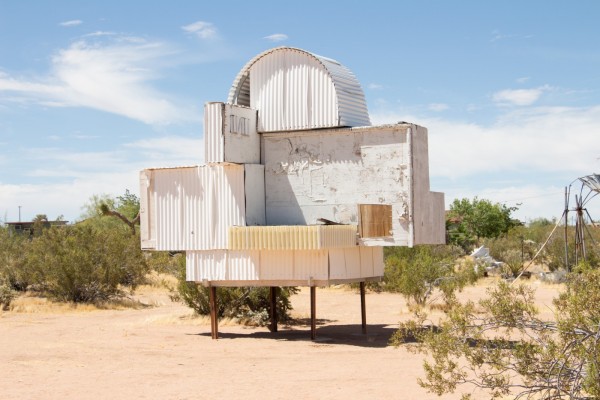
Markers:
point(294, 89)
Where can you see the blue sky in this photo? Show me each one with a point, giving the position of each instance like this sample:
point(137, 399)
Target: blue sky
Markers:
point(93, 92)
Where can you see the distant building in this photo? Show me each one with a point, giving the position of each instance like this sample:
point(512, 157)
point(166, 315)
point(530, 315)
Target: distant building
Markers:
point(26, 228)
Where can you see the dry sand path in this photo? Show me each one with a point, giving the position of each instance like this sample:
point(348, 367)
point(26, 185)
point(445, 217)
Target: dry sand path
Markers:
point(160, 353)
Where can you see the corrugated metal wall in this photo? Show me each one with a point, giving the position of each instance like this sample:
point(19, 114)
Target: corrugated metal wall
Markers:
point(214, 142)
point(294, 237)
point(194, 207)
point(296, 267)
point(294, 89)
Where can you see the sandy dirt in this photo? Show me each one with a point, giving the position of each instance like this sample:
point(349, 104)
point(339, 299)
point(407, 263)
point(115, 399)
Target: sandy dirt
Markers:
point(160, 352)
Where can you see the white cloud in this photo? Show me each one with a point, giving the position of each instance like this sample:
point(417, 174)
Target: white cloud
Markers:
point(545, 139)
point(73, 22)
point(169, 151)
point(523, 79)
point(71, 178)
point(374, 86)
point(525, 156)
point(110, 76)
point(277, 37)
point(202, 29)
point(497, 35)
point(520, 97)
point(438, 107)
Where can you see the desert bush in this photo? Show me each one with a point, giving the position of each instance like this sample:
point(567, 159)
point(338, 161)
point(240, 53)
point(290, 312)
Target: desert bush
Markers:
point(83, 263)
point(249, 304)
point(163, 262)
point(13, 270)
point(542, 359)
point(6, 296)
point(415, 272)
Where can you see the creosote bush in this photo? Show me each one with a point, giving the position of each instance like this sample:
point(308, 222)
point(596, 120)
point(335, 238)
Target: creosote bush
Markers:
point(13, 271)
point(83, 263)
point(6, 296)
point(502, 347)
point(416, 272)
point(248, 304)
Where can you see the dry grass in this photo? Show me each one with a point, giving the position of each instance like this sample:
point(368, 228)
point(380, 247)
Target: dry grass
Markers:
point(151, 294)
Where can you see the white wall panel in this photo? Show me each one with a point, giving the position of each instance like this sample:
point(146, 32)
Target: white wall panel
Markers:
point(289, 267)
point(276, 264)
point(230, 134)
point(254, 186)
point(366, 260)
point(311, 265)
point(327, 173)
point(214, 141)
point(191, 208)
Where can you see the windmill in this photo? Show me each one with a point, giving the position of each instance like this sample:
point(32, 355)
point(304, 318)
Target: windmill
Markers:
point(590, 188)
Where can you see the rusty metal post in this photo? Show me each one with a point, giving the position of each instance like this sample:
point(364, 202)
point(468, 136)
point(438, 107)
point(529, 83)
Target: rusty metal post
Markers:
point(214, 322)
point(363, 309)
point(273, 309)
point(313, 313)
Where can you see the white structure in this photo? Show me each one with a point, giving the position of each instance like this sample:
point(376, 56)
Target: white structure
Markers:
point(293, 148)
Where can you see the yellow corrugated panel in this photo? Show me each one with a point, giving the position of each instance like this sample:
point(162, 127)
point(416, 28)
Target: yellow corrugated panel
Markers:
point(294, 237)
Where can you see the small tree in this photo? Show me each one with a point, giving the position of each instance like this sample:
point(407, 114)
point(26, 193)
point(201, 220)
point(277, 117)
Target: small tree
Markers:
point(501, 346)
point(468, 221)
point(416, 272)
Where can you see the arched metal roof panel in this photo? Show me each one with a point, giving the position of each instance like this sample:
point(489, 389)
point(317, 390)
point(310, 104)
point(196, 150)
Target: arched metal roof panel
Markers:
point(293, 89)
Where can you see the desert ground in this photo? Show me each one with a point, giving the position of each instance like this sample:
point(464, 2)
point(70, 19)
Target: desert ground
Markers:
point(159, 350)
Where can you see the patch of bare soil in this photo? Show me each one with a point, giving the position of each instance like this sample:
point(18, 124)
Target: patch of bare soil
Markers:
point(160, 351)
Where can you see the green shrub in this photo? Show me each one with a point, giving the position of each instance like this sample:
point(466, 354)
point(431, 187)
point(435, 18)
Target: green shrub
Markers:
point(12, 255)
point(83, 263)
point(6, 296)
point(245, 303)
point(415, 272)
point(163, 262)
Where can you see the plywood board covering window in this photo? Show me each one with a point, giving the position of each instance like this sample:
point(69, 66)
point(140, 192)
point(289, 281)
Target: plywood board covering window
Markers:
point(375, 220)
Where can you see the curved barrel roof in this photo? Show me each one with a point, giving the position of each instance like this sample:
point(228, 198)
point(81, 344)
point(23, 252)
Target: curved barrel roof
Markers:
point(294, 89)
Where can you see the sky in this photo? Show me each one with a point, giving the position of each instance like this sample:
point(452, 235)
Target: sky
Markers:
point(93, 92)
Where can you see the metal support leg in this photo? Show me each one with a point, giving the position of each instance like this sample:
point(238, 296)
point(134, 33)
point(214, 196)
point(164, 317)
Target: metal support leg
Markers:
point(313, 313)
point(273, 309)
point(363, 309)
point(214, 323)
